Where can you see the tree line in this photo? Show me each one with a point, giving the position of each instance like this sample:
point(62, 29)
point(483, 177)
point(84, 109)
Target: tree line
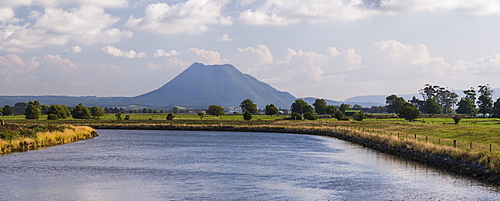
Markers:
point(34, 110)
point(439, 100)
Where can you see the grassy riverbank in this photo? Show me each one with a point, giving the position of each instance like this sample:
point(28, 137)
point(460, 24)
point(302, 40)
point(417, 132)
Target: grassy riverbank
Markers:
point(15, 138)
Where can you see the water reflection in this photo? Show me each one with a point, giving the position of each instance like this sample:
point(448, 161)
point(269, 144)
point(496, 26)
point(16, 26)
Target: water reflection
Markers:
point(185, 165)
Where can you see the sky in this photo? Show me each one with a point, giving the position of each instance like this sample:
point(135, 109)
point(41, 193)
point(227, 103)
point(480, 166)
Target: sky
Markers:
point(332, 49)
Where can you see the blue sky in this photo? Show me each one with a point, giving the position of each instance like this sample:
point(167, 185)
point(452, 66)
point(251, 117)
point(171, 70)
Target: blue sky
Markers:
point(320, 48)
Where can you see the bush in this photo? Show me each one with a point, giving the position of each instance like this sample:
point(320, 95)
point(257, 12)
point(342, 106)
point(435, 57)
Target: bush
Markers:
point(52, 117)
point(340, 116)
point(170, 116)
point(309, 116)
point(296, 116)
point(359, 116)
point(247, 115)
point(457, 118)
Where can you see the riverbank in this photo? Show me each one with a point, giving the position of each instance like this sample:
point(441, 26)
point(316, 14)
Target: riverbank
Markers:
point(482, 166)
point(17, 138)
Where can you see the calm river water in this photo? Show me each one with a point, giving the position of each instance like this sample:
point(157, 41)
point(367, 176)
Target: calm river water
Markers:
point(195, 165)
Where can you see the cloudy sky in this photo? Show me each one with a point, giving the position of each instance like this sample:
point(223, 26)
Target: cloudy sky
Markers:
point(331, 49)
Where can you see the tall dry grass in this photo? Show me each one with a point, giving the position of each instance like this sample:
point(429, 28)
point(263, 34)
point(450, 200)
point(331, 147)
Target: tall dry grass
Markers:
point(44, 139)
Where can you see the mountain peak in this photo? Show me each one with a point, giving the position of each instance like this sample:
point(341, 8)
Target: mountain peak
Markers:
point(203, 85)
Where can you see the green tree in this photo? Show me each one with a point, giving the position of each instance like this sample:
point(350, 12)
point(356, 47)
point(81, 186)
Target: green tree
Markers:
point(393, 103)
point(485, 100)
point(8, 110)
point(97, 112)
point(320, 106)
point(496, 108)
point(33, 111)
point(296, 116)
point(331, 109)
point(310, 116)
point(344, 107)
point(81, 112)
point(247, 115)
point(432, 107)
point(201, 115)
point(20, 108)
point(248, 105)
point(215, 110)
point(271, 110)
point(409, 112)
point(339, 115)
point(301, 107)
point(466, 106)
point(57, 110)
point(170, 116)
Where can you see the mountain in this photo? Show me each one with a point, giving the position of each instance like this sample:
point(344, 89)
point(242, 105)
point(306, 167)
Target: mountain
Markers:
point(203, 85)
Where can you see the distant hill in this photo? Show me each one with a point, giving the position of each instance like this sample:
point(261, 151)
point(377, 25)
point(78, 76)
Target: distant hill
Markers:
point(203, 85)
point(362, 102)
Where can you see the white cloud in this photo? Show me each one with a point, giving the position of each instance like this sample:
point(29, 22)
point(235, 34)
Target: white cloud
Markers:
point(474, 7)
point(192, 17)
point(162, 53)
point(56, 26)
point(65, 3)
point(121, 53)
point(225, 38)
point(6, 14)
point(253, 60)
point(76, 49)
point(206, 57)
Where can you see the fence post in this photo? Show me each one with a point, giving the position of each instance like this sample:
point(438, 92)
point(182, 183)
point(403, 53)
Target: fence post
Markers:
point(398, 136)
point(454, 143)
point(470, 143)
point(406, 136)
point(439, 141)
point(415, 137)
point(426, 138)
point(490, 149)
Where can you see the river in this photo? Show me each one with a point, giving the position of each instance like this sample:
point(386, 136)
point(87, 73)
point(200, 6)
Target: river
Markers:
point(199, 165)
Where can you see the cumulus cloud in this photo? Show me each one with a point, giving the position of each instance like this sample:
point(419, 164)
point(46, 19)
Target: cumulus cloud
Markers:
point(225, 38)
point(282, 13)
point(57, 26)
point(76, 49)
point(253, 60)
point(162, 53)
point(192, 17)
point(207, 57)
point(121, 53)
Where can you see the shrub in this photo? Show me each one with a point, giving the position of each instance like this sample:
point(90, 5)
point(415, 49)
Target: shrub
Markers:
point(457, 118)
point(359, 116)
point(296, 116)
point(170, 116)
point(247, 115)
point(309, 116)
point(340, 116)
point(52, 117)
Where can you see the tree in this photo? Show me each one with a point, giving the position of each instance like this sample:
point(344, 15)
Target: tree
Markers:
point(466, 106)
point(331, 109)
point(339, 115)
point(7, 110)
point(97, 112)
point(496, 108)
point(118, 116)
point(58, 110)
point(432, 107)
point(409, 112)
point(320, 106)
point(170, 116)
point(444, 97)
point(247, 115)
point(310, 116)
point(344, 107)
point(485, 100)
point(215, 110)
point(394, 103)
point(81, 112)
point(20, 108)
point(248, 105)
point(33, 111)
point(301, 107)
point(201, 115)
point(271, 110)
